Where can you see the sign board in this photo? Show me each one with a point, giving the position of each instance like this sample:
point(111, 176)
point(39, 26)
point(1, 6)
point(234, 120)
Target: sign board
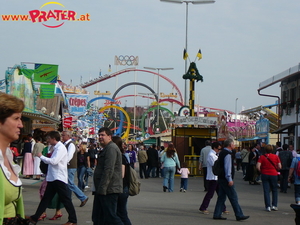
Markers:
point(77, 104)
point(194, 120)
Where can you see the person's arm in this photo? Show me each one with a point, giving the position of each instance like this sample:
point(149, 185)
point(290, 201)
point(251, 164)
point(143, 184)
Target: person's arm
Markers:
point(227, 167)
point(56, 157)
point(88, 161)
point(123, 171)
point(200, 160)
point(258, 164)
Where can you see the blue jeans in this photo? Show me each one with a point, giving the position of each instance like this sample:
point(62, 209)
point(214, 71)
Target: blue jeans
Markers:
point(81, 171)
point(122, 206)
point(184, 183)
point(79, 194)
point(270, 184)
point(169, 173)
point(105, 210)
point(297, 192)
point(225, 190)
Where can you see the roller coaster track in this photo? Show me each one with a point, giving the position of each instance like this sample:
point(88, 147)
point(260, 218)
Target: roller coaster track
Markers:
point(108, 76)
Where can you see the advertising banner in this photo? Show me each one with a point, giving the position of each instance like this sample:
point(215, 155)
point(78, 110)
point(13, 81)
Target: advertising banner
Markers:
point(45, 73)
point(77, 104)
point(47, 91)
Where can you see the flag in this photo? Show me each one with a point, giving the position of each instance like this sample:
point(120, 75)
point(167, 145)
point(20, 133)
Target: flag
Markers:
point(199, 54)
point(109, 68)
point(100, 73)
point(45, 73)
point(185, 54)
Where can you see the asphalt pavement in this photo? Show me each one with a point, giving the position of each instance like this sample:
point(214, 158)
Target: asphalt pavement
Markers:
point(153, 206)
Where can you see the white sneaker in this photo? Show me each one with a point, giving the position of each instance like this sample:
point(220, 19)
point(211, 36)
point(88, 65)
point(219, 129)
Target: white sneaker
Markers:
point(274, 208)
point(184, 190)
point(86, 187)
point(268, 209)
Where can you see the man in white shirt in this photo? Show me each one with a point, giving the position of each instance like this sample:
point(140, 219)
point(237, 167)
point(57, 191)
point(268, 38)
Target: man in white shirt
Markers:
point(57, 180)
point(72, 167)
point(203, 161)
point(211, 178)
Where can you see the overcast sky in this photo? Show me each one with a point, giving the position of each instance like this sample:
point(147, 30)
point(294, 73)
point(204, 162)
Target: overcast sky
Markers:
point(243, 43)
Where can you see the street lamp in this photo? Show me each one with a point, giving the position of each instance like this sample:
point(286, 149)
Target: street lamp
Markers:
point(186, 34)
point(158, 69)
point(236, 117)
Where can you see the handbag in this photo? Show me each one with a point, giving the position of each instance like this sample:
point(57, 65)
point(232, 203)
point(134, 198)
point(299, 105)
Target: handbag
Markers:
point(18, 220)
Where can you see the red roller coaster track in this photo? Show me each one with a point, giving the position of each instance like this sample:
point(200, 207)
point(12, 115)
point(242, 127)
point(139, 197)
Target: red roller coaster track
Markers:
point(108, 76)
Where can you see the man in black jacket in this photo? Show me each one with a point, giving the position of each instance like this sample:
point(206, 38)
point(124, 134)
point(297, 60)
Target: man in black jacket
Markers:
point(152, 160)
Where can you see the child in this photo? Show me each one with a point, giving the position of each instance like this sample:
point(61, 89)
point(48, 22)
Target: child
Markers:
point(184, 171)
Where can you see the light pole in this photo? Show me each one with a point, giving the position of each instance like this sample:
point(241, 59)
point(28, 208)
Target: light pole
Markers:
point(186, 34)
point(235, 121)
point(158, 69)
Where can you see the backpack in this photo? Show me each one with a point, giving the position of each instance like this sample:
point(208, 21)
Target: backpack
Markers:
point(298, 168)
point(216, 168)
point(134, 184)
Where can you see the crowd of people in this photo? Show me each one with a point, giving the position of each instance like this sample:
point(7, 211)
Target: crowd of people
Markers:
point(58, 157)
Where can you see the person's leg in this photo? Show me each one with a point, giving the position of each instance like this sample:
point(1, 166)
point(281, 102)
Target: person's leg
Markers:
point(97, 212)
point(79, 194)
point(171, 178)
point(185, 184)
point(80, 174)
point(221, 199)
point(204, 178)
point(86, 178)
point(47, 197)
point(212, 185)
point(141, 170)
point(122, 207)
point(285, 175)
point(266, 189)
point(153, 171)
point(109, 207)
point(233, 198)
point(274, 189)
point(167, 177)
point(63, 192)
point(297, 193)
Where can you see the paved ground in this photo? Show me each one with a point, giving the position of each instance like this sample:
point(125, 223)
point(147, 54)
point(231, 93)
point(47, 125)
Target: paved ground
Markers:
point(153, 206)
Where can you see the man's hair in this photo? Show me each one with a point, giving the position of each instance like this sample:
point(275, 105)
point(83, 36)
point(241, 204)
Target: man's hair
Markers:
point(106, 130)
point(54, 135)
point(9, 105)
point(67, 132)
point(228, 142)
point(153, 145)
point(216, 145)
point(285, 147)
point(207, 142)
point(278, 143)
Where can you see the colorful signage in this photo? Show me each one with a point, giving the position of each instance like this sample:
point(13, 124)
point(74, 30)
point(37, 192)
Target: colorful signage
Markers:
point(77, 104)
point(45, 73)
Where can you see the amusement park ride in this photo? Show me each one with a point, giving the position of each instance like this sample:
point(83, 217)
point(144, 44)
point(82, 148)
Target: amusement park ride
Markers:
point(122, 121)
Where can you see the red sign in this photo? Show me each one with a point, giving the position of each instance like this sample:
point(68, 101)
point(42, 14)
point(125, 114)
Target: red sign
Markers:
point(92, 130)
point(67, 122)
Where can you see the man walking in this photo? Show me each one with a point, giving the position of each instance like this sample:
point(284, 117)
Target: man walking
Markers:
point(212, 179)
point(226, 185)
point(152, 160)
point(203, 161)
point(57, 180)
point(142, 157)
point(108, 181)
point(72, 167)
